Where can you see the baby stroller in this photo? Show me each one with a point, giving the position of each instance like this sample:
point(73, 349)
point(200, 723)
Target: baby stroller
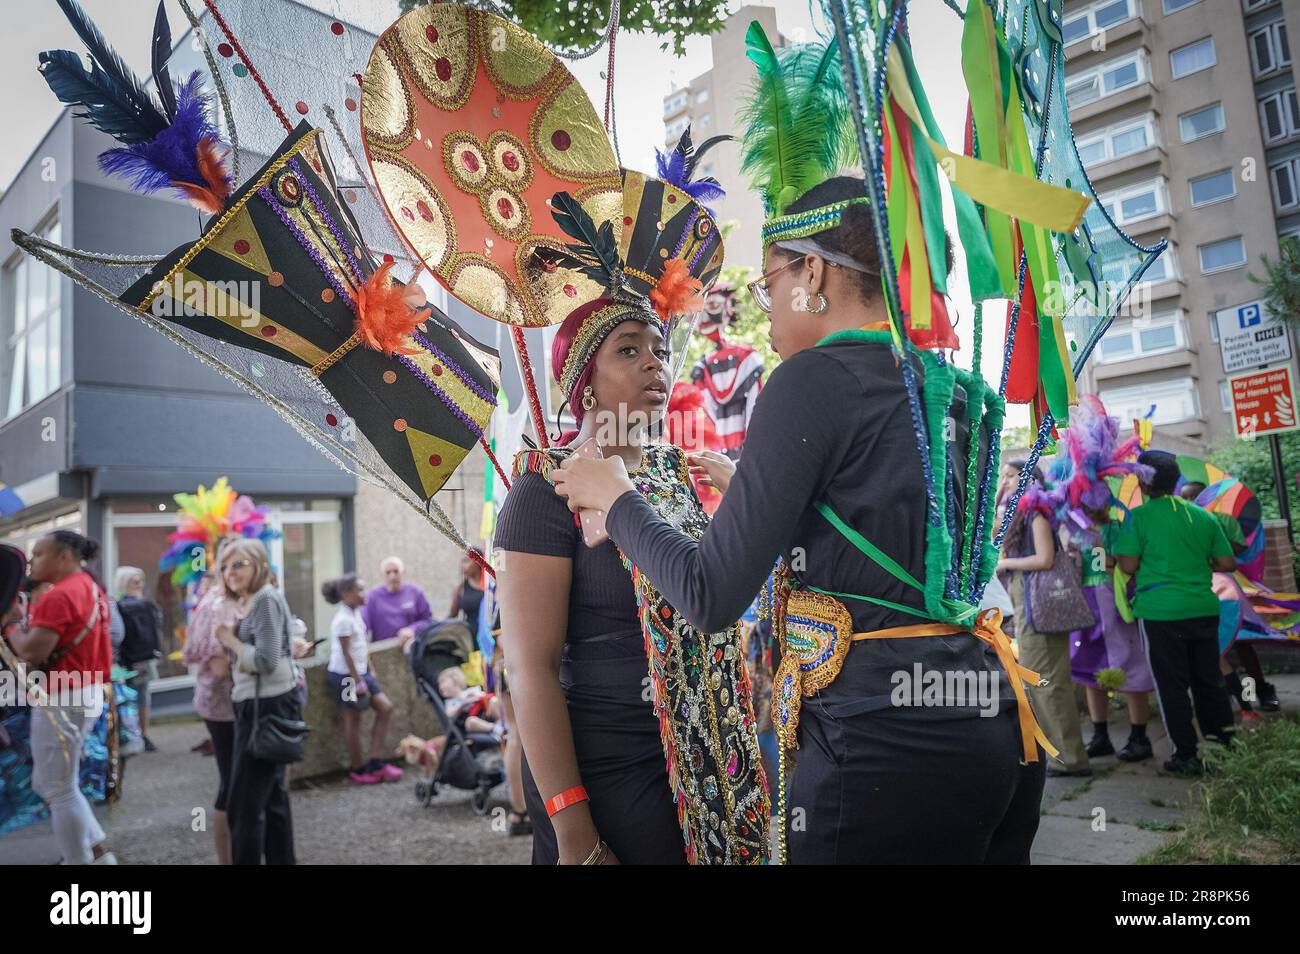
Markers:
point(472, 760)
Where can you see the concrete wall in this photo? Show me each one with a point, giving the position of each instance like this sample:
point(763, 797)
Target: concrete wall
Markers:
point(412, 714)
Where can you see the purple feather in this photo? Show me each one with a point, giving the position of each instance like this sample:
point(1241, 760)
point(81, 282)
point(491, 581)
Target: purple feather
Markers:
point(672, 168)
point(172, 155)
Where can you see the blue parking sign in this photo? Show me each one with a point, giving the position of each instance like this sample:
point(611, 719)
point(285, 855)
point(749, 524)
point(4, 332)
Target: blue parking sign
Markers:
point(1249, 315)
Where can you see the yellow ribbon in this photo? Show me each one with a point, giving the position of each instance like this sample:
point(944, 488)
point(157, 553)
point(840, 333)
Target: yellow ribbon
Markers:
point(1029, 200)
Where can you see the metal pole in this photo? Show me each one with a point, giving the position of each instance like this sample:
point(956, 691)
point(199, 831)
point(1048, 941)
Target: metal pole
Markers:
point(1279, 481)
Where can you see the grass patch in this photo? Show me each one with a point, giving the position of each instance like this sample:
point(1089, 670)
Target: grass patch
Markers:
point(1152, 824)
point(1247, 808)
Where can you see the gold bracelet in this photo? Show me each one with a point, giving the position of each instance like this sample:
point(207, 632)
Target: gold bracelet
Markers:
point(597, 855)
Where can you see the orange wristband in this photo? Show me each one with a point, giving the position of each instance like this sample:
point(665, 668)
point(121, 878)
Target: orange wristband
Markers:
point(570, 796)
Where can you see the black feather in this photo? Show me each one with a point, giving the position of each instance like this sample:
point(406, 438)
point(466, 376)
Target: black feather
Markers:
point(107, 106)
point(118, 81)
point(693, 160)
point(595, 247)
point(162, 49)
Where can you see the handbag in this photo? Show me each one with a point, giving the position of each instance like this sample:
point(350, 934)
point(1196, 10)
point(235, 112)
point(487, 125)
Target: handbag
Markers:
point(277, 738)
point(1054, 598)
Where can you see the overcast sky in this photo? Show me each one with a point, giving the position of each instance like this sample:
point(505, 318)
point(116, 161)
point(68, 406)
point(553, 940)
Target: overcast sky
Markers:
point(643, 76)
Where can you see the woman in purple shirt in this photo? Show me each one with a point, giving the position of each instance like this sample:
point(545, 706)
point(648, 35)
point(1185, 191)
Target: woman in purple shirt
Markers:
point(396, 608)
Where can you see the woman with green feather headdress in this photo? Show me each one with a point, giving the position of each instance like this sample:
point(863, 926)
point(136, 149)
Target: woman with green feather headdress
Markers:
point(910, 749)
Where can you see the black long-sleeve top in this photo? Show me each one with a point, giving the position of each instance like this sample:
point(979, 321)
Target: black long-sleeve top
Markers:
point(832, 424)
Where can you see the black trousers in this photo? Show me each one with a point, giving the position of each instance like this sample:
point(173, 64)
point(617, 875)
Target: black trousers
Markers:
point(885, 787)
point(258, 801)
point(223, 749)
point(1184, 656)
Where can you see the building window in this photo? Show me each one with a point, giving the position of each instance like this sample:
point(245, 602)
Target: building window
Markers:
point(702, 97)
point(1192, 58)
point(1225, 396)
point(1279, 115)
point(703, 121)
point(1124, 341)
point(1201, 122)
point(675, 103)
point(1215, 187)
point(1268, 48)
point(1250, 6)
point(1222, 255)
point(1096, 17)
point(1087, 86)
point(1285, 177)
point(1173, 6)
point(1116, 270)
point(1114, 142)
point(1137, 202)
point(1174, 401)
point(32, 328)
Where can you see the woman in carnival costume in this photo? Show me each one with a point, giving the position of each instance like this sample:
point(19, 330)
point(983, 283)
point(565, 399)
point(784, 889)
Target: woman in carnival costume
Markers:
point(886, 769)
point(1108, 656)
point(578, 621)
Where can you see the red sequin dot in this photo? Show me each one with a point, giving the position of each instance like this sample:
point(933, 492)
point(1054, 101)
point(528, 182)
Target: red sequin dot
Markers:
point(627, 220)
point(408, 214)
point(561, 140)
point(442, 66)
point(510, 161)
point(327, 295)
point(431, 32)
point(388, 258)
point(351, 104)
point(268, 331)
point(336, 28)
point(331, 420)
point(399, 425)
point(241, 247)
point(301, 107)
point(671, 197)
point(570, 290)
point(435, 460)
point(437, 370)
point(505, 208)
point(423, 208)
point(226, 50)
point(469, 160)
point(390, 377)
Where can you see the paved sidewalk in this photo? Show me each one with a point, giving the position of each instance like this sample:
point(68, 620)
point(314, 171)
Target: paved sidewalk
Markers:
point(1125, 810)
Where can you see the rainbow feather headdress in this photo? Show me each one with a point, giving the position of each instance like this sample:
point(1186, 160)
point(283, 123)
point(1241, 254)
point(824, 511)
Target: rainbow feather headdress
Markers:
point(205, 519)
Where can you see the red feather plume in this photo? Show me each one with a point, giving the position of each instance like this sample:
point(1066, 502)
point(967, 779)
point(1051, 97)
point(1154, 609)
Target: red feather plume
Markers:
point(384, 320)
point(211, 162)
point(676, 291)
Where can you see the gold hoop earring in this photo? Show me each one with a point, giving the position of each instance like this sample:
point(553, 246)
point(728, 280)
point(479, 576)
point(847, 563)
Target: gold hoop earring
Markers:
point(821, 308)
point(588, 398)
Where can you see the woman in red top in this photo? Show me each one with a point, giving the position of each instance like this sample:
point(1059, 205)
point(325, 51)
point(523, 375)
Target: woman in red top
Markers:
point(67, 633)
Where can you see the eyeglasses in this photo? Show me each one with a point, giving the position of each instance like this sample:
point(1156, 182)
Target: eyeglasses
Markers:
point(759, 291)
point(239, 565)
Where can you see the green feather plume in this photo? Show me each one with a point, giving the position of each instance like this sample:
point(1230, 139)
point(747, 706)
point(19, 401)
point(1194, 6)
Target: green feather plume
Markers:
point(798, 128)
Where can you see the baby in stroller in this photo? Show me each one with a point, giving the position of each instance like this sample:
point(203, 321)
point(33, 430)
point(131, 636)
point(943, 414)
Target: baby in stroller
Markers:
point(467, 754)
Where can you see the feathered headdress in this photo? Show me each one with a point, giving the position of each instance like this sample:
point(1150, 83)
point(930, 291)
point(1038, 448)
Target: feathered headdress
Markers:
point(1094, 452)
point(205, 519)
point(168, 142)
point(798, 131)
point(678, 168)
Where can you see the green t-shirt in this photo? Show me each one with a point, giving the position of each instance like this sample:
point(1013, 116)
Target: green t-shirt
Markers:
point(1094, 558)
point(1175, 541)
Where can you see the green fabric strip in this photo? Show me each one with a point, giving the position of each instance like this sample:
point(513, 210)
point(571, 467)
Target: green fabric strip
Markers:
point(866, 546)
point(857, 334)
point(936, 397)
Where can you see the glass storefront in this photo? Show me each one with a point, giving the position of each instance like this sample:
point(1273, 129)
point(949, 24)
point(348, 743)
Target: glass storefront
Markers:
point(308, 552)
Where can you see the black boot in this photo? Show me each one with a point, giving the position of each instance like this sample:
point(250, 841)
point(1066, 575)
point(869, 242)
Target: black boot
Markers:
point(1138, 749)
point(1100, 744)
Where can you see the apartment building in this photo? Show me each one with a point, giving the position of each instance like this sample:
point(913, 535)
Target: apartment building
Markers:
point(708, 104)
point(1186, 120)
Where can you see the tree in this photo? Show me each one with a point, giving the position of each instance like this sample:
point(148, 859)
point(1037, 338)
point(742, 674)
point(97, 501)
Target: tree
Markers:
point(1251, 462)
point(1280, 285)
point(577, 25)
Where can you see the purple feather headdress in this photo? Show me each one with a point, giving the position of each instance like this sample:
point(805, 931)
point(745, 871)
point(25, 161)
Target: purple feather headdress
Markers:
point(1094, 452)
point(168, 142)
point(678, 168)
